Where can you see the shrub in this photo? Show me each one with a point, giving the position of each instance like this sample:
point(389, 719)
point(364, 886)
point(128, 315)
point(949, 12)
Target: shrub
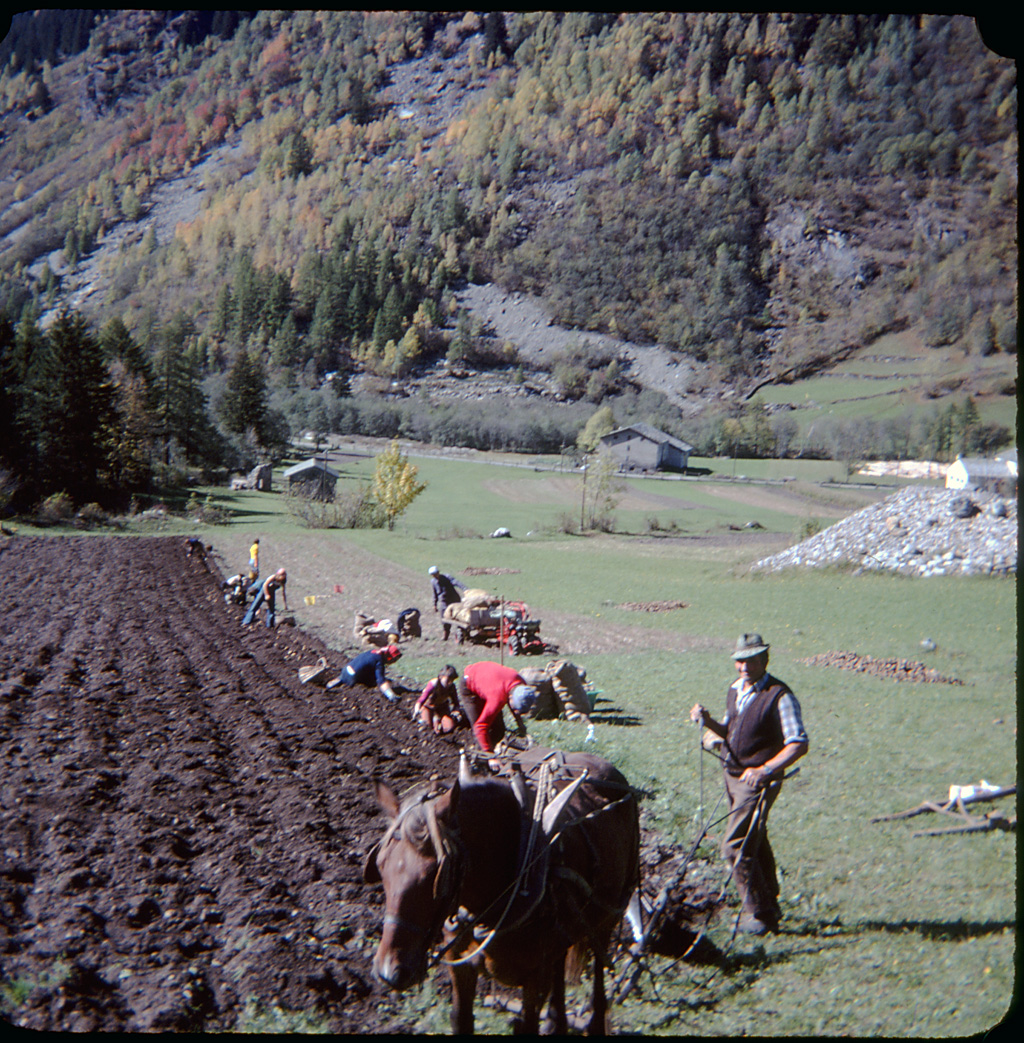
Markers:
point(92, 514)
point(8, 487)
point(206, 511)
point(353, 509)
point(810, 527)
point(55, 510)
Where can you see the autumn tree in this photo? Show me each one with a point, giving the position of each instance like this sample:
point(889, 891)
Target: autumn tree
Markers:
point(394, 483)
point(601, 423)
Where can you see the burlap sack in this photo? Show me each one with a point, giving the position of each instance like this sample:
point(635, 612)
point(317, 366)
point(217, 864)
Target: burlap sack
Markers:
point(569, 689)
point(547, 706)
point(476, 598)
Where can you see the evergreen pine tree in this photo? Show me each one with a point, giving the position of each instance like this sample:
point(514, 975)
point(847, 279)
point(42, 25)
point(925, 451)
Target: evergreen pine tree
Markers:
point(244, 406)
point(74, 400)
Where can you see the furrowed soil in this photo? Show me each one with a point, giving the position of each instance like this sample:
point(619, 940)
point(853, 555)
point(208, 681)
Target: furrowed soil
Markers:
point(183, 824)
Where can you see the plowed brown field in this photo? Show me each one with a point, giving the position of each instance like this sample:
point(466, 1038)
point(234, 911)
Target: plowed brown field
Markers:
point(183, 823)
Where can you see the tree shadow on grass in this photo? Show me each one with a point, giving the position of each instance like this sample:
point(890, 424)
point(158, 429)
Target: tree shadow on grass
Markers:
point(938, 930)
point(934, 930)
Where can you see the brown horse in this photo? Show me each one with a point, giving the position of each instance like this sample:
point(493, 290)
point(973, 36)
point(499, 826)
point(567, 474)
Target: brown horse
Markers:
point(514, 881)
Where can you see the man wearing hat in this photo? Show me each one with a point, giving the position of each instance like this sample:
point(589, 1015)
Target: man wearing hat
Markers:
point(764, 734)
point(485, 690)
point(446, 592)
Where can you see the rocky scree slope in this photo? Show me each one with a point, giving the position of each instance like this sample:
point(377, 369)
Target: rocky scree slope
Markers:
point(916, 532)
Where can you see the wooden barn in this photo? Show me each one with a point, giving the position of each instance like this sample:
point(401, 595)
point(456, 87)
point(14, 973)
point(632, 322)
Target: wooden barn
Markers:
point(312, 478)
point(641, 447)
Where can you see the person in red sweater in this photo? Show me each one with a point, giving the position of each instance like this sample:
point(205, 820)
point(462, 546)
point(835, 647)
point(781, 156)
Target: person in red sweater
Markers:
point(485, 690)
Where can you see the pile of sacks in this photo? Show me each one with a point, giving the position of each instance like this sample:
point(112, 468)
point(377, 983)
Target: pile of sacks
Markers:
point(562, 690)
point(376, 633)
point(474, 610)
point(372, 632)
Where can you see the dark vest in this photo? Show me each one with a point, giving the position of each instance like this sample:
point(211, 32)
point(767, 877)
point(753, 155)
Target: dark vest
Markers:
point(755, 736)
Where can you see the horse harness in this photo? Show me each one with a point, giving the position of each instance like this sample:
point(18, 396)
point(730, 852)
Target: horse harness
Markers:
point(447, 848)
point(537, 867)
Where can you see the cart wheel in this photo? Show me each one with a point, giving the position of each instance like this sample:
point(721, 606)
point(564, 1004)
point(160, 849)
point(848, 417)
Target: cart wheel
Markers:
point(515, 646)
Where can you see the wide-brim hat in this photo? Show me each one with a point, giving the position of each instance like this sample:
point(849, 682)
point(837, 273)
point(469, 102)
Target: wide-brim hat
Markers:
point(432, 570)
point(523, 698)
point(749, 645)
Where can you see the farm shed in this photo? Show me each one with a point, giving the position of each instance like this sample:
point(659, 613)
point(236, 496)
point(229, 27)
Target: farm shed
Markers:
point(312, 478)
point(996, 476)
point(645, 448)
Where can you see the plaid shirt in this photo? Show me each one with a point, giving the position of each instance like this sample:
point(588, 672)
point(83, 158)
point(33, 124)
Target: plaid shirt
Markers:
point(789, 709)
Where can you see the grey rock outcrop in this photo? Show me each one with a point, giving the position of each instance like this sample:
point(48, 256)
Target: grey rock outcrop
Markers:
point(917, 532)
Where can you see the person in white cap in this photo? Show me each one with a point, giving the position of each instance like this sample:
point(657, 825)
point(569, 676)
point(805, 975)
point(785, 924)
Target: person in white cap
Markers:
point(764, 735)
point(485, 690)
point(446, 592)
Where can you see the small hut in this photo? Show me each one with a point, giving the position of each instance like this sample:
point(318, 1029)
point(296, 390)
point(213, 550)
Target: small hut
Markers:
point(312, 479)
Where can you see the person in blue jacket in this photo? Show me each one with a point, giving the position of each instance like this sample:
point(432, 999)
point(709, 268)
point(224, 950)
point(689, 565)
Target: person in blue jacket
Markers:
point(368, 668)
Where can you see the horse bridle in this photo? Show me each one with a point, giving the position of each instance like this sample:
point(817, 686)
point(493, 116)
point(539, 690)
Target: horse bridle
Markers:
point(447, 876)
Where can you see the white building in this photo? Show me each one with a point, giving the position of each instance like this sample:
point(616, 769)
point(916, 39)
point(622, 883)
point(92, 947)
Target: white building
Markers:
point(995, 476)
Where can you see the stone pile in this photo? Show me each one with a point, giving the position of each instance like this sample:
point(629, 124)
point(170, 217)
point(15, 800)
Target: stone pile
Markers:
point(916, 532)
point(894, 669)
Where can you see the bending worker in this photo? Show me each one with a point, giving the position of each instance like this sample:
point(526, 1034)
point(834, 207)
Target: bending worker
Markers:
point(368, 668)
point(764, 734)
point(486, 689)
point(266, 592)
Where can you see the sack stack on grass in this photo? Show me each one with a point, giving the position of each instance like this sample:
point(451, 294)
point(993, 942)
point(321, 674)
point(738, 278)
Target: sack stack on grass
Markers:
point(560, 691)
point(569, 689)
point(547, 706)
point(372, 632)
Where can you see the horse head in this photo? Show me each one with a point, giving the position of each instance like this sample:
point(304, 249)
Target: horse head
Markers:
point(417, 861)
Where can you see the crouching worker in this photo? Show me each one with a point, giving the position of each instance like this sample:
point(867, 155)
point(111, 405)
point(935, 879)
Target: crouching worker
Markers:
point(368, 668)
point(266, 593)
point(486, 689)
point(234, 589)
point(436, 706)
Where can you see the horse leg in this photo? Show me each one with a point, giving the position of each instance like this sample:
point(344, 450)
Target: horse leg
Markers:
point(463, 978)
point(600, 1001)
point(556, 999)
point(528, 1022)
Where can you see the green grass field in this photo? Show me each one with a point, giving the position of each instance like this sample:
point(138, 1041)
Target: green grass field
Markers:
point(885, 380)
point(886, 934)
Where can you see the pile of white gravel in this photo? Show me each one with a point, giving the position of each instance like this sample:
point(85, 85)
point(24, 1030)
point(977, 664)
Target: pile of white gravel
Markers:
point(917, 532)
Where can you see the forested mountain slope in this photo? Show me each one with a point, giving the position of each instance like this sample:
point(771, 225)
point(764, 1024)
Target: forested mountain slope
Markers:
point(757, 194)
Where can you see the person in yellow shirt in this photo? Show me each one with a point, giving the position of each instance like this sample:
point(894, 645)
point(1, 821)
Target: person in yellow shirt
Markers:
point(254, 560)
